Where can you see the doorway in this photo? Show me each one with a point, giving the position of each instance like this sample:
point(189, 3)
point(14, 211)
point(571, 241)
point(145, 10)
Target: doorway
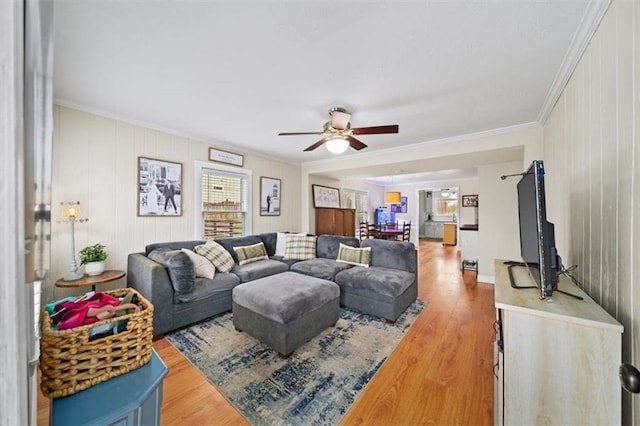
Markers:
point(437, 206)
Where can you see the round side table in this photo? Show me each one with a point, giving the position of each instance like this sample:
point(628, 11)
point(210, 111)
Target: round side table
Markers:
point(87, 280)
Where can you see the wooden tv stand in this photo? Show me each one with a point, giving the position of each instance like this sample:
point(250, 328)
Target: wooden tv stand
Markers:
point(556, 362)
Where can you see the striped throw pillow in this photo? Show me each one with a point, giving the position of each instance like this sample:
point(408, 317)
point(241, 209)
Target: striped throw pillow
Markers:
point(354, 256)
point(300, 247)
point(217, 255)
point(253, 253)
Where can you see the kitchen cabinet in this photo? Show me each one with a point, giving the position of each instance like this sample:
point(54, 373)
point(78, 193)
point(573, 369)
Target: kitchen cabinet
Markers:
point(433, 230)
point(449, 234)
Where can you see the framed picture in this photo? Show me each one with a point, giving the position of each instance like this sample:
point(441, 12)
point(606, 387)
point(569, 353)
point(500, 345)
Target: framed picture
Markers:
point(470, 200)
point(159, 187)
point(325, 196)
point(270, 194)
point(400, 208)
point(226, 157)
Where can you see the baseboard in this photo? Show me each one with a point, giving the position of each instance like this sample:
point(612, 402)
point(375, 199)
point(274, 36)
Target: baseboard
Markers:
point(489, 279)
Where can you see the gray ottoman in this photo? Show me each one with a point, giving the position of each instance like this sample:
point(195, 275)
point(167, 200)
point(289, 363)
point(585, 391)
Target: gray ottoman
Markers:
point(285, 310)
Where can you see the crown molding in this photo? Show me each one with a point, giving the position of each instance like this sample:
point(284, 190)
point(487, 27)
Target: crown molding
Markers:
point(588, 25)
point(405, 148)
point(194, 137)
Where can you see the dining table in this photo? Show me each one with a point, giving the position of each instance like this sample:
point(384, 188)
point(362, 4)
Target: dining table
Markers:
point(387, 232)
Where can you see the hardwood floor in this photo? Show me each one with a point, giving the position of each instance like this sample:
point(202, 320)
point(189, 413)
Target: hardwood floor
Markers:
point(441, 373)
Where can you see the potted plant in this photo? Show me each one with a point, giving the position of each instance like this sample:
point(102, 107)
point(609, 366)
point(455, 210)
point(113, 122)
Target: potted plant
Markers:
point(93, 257)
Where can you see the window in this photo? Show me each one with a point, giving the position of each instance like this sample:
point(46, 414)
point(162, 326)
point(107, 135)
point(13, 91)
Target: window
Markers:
point(445, 206)
point(222, 202)
point(356, 199)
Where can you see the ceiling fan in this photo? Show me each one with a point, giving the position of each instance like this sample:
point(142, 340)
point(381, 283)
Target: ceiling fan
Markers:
point(337, 133)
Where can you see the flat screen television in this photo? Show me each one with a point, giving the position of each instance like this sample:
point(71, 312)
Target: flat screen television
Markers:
point(537, 237)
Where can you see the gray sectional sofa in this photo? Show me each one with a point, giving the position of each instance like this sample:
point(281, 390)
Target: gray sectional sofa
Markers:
point(384, 289)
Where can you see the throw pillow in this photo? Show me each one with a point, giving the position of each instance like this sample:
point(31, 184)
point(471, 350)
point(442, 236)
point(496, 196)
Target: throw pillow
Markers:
point(252, 253)
point(300, 247)
point(204, 268)
point(281, 243)
point(179, 267)
point(217, 255)
point(354, 256)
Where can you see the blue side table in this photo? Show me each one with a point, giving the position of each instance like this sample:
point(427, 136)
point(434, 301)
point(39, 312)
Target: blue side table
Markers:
point(131, 399)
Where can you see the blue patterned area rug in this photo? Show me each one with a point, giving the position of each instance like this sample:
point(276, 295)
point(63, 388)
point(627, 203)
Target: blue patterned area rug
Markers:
point(316, 385)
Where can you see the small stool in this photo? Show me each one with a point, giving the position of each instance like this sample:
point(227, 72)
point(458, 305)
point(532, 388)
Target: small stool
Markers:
point(285, 310)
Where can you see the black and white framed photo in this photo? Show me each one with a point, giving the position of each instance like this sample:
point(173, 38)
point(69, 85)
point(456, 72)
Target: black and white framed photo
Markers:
point(159, 187)
point(470, 200)
point(325, 196)
point(270, 196)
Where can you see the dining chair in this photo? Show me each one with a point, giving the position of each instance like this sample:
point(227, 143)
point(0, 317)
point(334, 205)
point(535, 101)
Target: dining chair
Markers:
point(365, 230)
point(406, 231)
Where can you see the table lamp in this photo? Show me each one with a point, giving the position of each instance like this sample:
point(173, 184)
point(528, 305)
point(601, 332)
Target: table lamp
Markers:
point(71, 214)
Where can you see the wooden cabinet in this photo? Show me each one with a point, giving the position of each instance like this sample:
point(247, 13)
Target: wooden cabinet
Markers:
point(556, 360)
point(450, 234)
point(336, 222)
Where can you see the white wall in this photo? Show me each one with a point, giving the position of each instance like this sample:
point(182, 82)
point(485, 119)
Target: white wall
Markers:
point(592, 158)
point(467, 215)
point(95, 162)
point(498, 231)
point(15, 372)
point(376, 193)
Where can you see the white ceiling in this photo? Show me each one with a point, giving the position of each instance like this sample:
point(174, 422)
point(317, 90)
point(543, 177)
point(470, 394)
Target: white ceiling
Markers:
point(237, 73)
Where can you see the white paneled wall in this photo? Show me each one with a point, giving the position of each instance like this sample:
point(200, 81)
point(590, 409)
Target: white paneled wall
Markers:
point(95, 162)
point(592, 157)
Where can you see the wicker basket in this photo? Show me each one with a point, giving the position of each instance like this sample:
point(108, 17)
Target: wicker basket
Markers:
point(70, 362)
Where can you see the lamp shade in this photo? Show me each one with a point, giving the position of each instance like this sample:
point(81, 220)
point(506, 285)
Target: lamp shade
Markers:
point(392, 197)
point(337, 145)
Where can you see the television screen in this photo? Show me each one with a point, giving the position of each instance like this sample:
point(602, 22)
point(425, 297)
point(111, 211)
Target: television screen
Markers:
point(537, 237)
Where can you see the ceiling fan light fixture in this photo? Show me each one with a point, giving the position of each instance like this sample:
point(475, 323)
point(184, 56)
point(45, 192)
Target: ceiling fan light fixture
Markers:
point(337, 145)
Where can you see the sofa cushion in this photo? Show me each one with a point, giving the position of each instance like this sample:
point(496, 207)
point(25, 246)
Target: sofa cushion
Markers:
point(270, 240)
point(300, 247)
point(204, 288)
point(392, 254)
point(285, 297)
point(179, 267)
point(252, 253)
point(203, 267)
point(217, 255)
point(319, 268)
point(289, 262)
point(329, 245)
point(256, 270)
point(376, 282)
point(173, 245)
point(231, 242)
point(354, 256)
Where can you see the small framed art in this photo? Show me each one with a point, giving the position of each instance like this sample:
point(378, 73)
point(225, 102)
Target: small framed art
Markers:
point(325, 196)
point(159, 187)
point(470, 200)
point(226, 157)
point(270, 196)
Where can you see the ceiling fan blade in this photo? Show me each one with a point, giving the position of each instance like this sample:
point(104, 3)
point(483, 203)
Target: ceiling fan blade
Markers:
point(375, 130)
point(340, 119)
point(298, 133)
point(355, 143)
point(317, 144)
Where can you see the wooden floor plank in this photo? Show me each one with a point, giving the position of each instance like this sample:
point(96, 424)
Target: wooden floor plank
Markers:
point(440, 373)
